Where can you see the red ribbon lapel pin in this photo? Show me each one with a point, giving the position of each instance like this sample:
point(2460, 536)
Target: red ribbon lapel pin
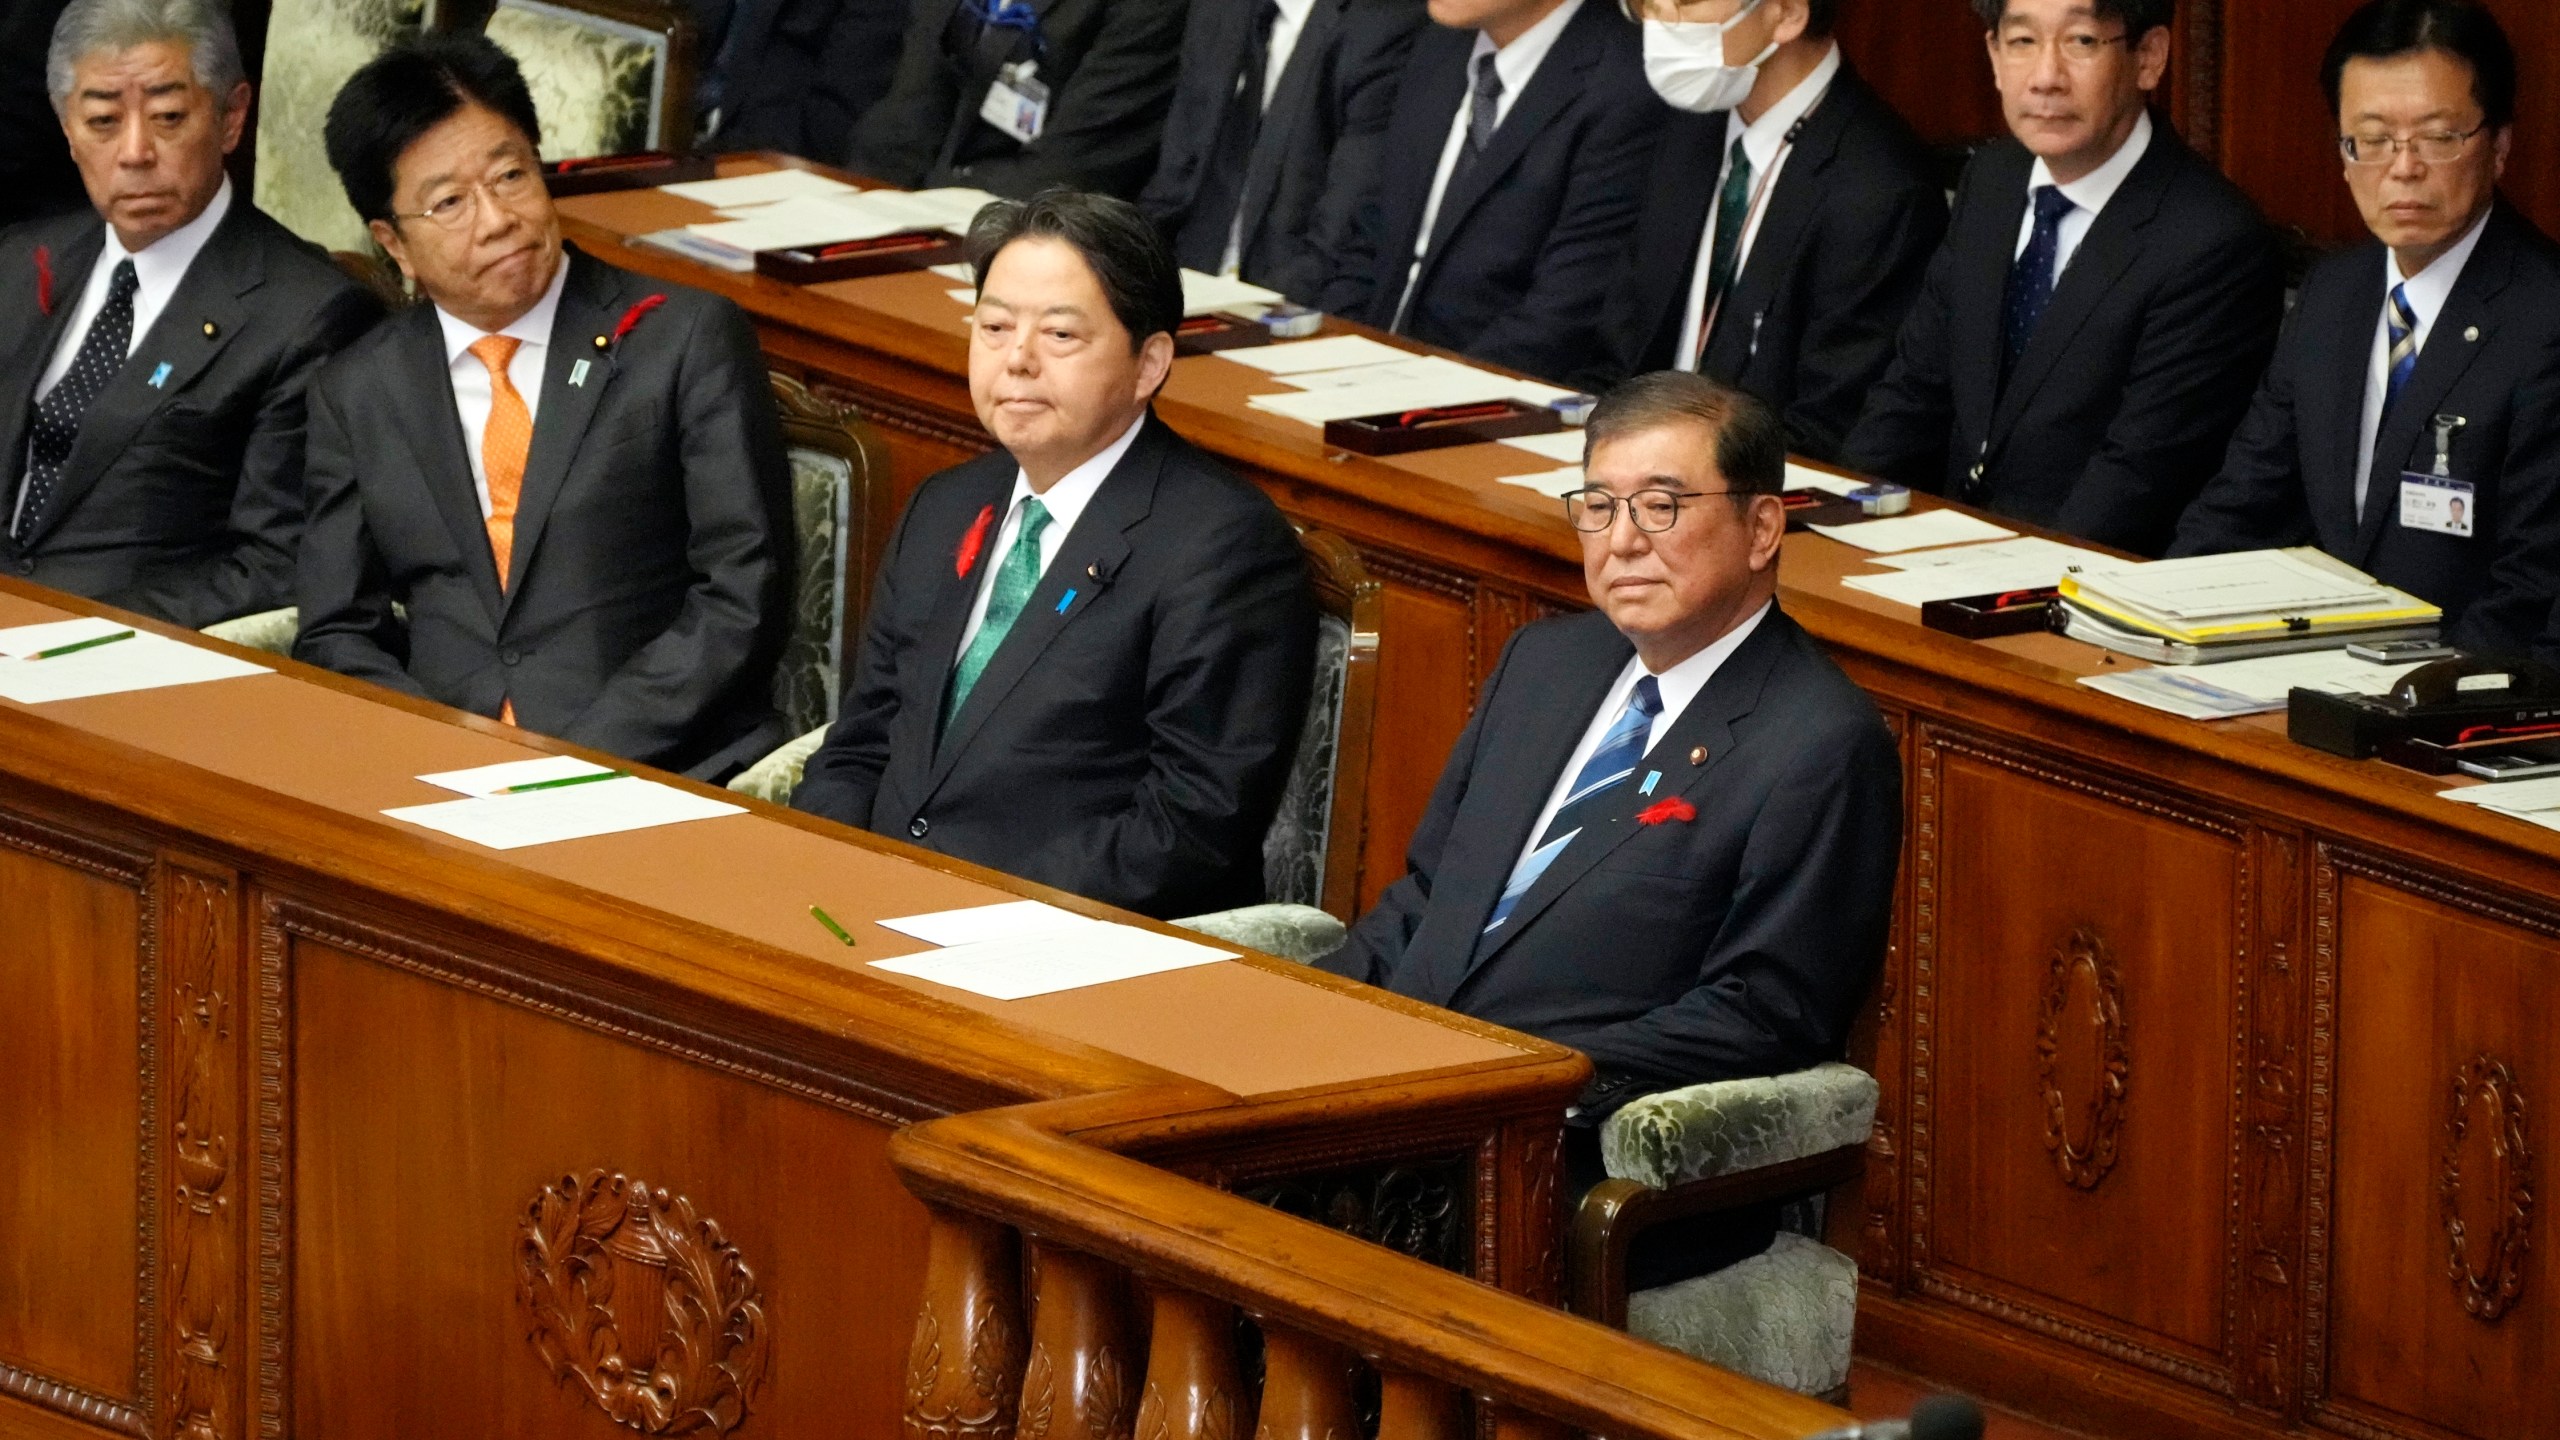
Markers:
point(966, 559)
point(44, 278)
point(1666, 810)
point(611, 345)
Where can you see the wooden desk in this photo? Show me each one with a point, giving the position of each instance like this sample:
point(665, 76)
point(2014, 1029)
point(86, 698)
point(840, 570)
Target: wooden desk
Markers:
point(2175, 1016)
point(302, 1108)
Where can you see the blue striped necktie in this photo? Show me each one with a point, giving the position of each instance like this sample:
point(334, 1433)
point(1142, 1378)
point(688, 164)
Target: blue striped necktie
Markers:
point(1603, 776)
point(2404, 346)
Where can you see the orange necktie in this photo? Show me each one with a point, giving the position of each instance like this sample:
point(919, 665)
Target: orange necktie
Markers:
point(503, 443)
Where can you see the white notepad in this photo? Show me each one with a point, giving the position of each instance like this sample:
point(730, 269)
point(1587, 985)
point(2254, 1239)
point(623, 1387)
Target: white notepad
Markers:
point(1915, 532)
point(1012, 920)
point(574, 812)
point(764, 189)
point(1330, 352)
point(1554, 484)
point(1564, 445)
point(1043, 964)
point(490, 779)
point(143, 662)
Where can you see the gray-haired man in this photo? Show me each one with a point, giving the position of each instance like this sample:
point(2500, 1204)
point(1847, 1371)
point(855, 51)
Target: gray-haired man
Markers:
point(151, 398)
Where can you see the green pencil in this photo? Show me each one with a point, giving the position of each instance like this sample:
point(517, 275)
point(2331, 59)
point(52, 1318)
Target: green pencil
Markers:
point(89, 644)
point(533, 785)
point(823, 918)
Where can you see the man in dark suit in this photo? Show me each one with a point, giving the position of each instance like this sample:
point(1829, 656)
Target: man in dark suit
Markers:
point(1278, 124)
point(570, 476)
point(152, 405)
point(1017, 97)
point(2105, 301)
point(1515, 160)
point(795, 75)
point(1785, 233)
point(2411, 424)
point(1088, 655)
point(1667, 836)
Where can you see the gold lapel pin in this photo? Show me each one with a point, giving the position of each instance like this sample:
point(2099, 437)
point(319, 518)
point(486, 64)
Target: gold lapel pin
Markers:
point(602, 342)
point(1093, 571)
point(1698, 756)
point(211, 329)
point(2472, 334)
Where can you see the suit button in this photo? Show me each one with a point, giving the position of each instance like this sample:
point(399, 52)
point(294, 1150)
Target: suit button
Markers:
point(917, 827)
point(508, 657)
point(26, 567)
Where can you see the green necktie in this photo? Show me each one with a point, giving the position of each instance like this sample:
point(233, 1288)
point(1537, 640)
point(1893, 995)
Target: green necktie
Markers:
point(1015, 580)
point(1733, 212)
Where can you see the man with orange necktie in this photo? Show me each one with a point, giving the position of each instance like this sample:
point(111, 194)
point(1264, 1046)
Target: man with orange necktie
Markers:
point(569, 477)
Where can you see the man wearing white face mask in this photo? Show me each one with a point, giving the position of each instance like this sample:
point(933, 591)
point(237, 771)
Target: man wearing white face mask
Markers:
point(1788, 221)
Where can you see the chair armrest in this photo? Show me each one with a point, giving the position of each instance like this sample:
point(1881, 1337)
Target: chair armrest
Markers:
point(1614, 1212)
point(1703, 1131)
point(1293, 932)
point(268, 630)
point(774, 777)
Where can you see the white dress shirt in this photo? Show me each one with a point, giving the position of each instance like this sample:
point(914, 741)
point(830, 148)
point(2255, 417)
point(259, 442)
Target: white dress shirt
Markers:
point(472, 393)
point(1678, 686)
point(1286, 26)
point(2427, 293)
point(1064, 501)
point(157, 269)
point(1517, 63)
point(2088, 195)
point(1764, 142)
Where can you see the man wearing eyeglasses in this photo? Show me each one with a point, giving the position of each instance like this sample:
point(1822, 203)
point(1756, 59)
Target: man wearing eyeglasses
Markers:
point(2411, 423)
point(2105, 300)
point(569, 477)
point(1667, 835)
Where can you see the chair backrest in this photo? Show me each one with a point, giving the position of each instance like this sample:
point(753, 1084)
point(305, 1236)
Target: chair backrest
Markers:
point(1311, 854)
point(317, 44)
point(376, 274)
point(840, 515)
point(608, 76)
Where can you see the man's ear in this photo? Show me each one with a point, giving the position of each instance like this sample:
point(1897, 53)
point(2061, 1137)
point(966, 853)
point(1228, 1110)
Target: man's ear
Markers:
point(387, 235)
point(1792, 18)
point(1768, 522)
point(2151, 58)
point(1155, 364)
point(235, 116)
point(2504, 143)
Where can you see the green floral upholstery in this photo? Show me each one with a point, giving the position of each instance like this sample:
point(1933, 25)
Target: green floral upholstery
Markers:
point(805, 684)
point(1293, 932)
point(598, 84)
point(778, 774)
point(317, 45)
point(1708, 1130)
point(1783, 1316)
point(1294, 848)
point(268, 630)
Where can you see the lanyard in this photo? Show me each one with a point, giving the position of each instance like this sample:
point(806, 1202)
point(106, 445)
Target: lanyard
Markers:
point(1751, 217)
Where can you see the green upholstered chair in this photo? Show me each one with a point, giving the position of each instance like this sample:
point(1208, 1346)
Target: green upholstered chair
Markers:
point(268, 630)
point(315, 46)
point(608, 76)
point(1785, 1316)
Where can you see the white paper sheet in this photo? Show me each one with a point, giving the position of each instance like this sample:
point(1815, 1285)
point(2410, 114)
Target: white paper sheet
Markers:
point(966, 295)
point(2257, 582)
point(951, 206)
point(145, 662)
point(1330, 352)
point(1554, 484)
point(764, 189)
point(2247, 687)
point(1563, 445)
point(2517, 797)
point(1202, 294)
point(2025, 563)
point(1017, 969)
point(1422, 383)
point(21, 642)
point(490, 779)
point(511, 822)
point(959, 272)
point(1800, 477)
point(1013, 920)
point(1915, 532)
point(820, 220)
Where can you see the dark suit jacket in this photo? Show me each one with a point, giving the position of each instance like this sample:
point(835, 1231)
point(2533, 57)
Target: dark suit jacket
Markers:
point(181, 500)
point(2143, 364)
point(802, 72)
point(1109, 66)
point(1130, 738)
point(1321, 138)
point(36, 174)
point(650, 586)
point(1738, 943)
point(1524, 245)
point(1845, 239)
point(2493, 358)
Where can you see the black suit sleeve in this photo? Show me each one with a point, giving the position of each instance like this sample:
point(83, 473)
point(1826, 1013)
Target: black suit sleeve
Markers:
point(1800, 944)
point(843, 774)
point(1105, 124)
point(737, 497)
point(898, 139)
point(1376, 38)
point(1903, 429)
point(2256, 501)
point(339, 578)
point(255, 570)
point(1554, 329)
point(2515, 610)
point(1872, 273)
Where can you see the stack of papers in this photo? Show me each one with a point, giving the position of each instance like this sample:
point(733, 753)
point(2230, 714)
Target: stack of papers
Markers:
point(2025, 563)
point(1560, 445)
point(823, 217)
point(2536, 802)
point(1204, 293)
point(2257, 595)
point(1915, 532)
point(1025, 948)
point(739, 191)
point(1330, 352)
point(1554, 484)
point(604, 805)
point(1419, 382)
point(76, 659)
point(2228, 688)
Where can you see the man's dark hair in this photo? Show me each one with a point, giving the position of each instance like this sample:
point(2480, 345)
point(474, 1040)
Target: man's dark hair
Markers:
point(2385, 29)
point(408, 90)
point(2140, 17)
point(1127, 255)
point(1751, 442)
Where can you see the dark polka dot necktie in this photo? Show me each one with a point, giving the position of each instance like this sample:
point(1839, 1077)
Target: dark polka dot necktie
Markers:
point(58, 414)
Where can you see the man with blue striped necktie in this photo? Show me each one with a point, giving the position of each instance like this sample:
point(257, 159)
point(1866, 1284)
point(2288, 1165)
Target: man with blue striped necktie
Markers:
point(1667, 836)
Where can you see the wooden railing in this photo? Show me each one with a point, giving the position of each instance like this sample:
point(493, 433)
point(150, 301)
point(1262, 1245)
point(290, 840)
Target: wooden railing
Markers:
point(1136, 1277)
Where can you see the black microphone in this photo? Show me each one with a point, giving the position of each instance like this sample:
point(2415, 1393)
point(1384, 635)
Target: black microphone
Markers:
point(1940, 1417)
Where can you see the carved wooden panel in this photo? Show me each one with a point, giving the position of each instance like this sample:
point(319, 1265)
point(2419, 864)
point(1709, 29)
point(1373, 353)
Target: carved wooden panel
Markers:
point(2275, 1144)
point(1884, 1048)
point(2054, 909)
point(1427, 647)
point(1415, 1208)
point(964, 1364)
point(208, 1153)
point(1080, 1382)
point(2433, 1314)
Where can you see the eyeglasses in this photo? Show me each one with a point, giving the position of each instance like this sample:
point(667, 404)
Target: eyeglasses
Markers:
point(1593, 509)
point(2079, 47)
point(454, 210)
point(2436, 147)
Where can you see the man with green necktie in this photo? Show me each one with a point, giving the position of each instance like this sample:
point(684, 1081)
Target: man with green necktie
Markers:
point(1089, 653)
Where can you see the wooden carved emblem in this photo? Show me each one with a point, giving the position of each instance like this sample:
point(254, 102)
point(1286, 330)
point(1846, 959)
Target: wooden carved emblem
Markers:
point(2082, 1062)
point(643, 1303)
point(2486, 1194)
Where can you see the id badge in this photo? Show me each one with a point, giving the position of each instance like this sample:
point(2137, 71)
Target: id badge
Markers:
point(2438, 504)
point(1017, 103)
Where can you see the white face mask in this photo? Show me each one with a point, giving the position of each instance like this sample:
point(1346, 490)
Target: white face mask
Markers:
point(1685, 62)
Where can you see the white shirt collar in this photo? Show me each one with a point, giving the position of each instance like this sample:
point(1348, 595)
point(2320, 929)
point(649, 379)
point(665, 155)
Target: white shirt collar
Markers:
point(1067, 499)
point(160, 265)
point(2430, 289)
point(1681, 683)
point(2092, 191)
point(1518, 61)
point(533, 327)
point(1762, 137)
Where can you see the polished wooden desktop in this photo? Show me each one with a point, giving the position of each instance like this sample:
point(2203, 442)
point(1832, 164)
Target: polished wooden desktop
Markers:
point(2210, 1063)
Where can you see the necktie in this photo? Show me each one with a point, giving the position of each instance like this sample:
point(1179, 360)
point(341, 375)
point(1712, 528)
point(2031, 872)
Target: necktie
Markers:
point(1733, 212)
point(1596, 788)
point(1014, 582)
point(58, 415)
point(2403, 321)
point(1202, 244)
point(2031, 278)
point(1484, 113)
point(503, 443)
